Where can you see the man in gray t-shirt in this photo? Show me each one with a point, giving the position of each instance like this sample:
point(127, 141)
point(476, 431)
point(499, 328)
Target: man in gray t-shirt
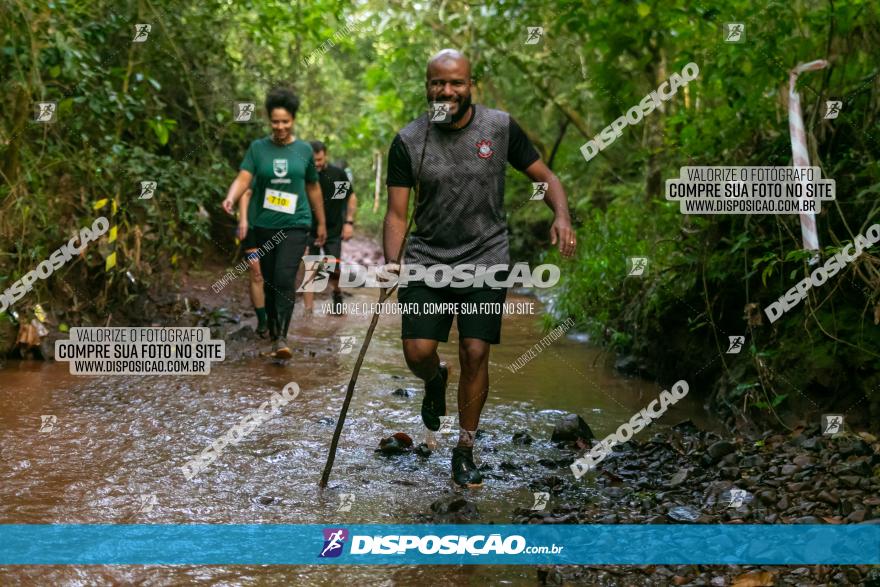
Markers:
point(459, 219)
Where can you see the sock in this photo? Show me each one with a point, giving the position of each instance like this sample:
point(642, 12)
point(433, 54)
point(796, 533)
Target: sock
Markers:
point(466, 437)
point(261, 318)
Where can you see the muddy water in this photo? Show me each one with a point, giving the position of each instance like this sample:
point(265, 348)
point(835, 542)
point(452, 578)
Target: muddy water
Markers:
point(115, 451)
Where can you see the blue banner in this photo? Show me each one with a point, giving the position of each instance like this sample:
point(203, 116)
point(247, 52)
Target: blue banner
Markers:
point(291, 544)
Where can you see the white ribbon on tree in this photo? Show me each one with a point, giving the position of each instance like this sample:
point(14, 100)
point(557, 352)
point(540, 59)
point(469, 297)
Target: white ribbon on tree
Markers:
point(800, 155)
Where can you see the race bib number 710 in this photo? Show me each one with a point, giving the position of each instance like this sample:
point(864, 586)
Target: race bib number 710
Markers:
point(280, 201)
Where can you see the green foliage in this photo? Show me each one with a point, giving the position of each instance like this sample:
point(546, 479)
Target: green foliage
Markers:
point(161, 111)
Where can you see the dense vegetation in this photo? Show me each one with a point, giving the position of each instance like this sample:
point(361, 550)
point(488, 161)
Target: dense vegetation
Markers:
point(161, 110)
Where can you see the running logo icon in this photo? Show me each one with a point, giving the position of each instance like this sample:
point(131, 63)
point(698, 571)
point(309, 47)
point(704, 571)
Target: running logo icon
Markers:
point(334, 540)
point(47, 423)
point(832, 424)
point(541, 499)
point(279, 167)
point(534, 34)
point(737, 497)
point(832, 109)
point(637, 266)
point(46, 111)
point(141, 32)
point(346, 345)
point(440, 112)
point(484, 149)
point(734, 32)
point(736, 344)
point(340, 190)
point(243, 111)
point(539, 190)
point(318, 269)
point(346, 500)
point(148, 502)
point(148, 188)
point(446, 424)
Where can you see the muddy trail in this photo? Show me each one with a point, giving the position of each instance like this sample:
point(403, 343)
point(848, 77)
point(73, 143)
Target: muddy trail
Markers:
point(114, 450)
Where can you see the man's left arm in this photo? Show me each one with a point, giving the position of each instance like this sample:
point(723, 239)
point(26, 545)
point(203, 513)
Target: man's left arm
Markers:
point(523, 156)
point(561, 233)
point(350, 211)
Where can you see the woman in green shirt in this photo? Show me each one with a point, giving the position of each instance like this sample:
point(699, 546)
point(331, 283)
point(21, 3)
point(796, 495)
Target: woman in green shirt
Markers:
point(287, 194)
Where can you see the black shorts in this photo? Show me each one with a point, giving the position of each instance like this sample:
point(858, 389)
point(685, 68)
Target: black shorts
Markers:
point(250, 240)
point(332, 246)
point(479, 312)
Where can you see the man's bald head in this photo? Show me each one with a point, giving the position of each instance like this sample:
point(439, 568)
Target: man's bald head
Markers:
point(449, 80)
point(448, 55)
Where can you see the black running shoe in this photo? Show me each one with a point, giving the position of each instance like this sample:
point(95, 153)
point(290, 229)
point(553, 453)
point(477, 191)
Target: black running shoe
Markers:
point(464, 471)
point(434, 402)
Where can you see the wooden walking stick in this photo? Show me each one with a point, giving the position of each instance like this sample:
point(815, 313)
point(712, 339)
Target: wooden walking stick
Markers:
point(384, 294)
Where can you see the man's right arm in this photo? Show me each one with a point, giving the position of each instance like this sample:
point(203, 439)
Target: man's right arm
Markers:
point(399, 182)
point(395, 222)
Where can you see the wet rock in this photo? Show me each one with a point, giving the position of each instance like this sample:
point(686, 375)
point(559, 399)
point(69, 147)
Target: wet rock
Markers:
point(850, 480)
point(395, 444)
point(686, 427)
point(678, 478)
point(683, 514)
point(522, 438)
point(814, 443)
point(404, 392)
point(243, 333)
point(549, 463)
point(719, 450)
point(860, 468)
point(570, 428)
point(508, 466)
point(730, 473)
point(751, 461)
point(828, 497)
point(552, 483)
point(807, 520)
point(857, 516)
point(615, 492)
point(549, 576)
point(767, 497)
point(327, 421)
point(852, 445)
point(454, 508)
point(804, 460)
point(631, 365)
point(788, 470)
point(422, 450)
point(265, 499)
point(729, 460)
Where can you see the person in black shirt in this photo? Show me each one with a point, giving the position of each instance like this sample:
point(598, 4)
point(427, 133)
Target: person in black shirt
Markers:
point(459, 219)
point(340, 204)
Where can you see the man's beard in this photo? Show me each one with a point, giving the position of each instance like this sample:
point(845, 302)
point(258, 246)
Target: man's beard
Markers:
point(462, 111)
point(463, 108)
